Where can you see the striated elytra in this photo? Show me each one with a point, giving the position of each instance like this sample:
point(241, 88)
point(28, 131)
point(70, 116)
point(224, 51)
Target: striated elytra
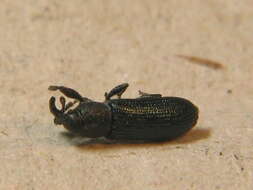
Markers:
point(149, 117)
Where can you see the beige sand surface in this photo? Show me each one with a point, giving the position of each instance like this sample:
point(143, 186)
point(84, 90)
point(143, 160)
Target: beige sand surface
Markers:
point(92, 46)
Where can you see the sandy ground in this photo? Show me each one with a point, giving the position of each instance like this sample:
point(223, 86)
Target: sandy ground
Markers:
point(94, 45)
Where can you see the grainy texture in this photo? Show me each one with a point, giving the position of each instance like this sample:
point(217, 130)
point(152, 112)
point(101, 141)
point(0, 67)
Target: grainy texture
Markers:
point(94, 45)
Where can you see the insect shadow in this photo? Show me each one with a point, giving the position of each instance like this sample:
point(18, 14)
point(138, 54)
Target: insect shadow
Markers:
point(102, 143)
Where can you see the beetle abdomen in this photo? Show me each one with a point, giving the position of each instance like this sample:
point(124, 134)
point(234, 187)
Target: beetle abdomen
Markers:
point(151, 118)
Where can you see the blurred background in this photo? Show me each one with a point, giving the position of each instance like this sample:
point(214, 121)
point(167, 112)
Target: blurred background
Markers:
point(199, 50)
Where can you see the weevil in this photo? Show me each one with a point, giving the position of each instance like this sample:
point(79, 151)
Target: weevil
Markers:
point(149, 117)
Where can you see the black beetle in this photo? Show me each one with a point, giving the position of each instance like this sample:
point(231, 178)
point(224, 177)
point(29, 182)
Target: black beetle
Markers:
point(149, 117)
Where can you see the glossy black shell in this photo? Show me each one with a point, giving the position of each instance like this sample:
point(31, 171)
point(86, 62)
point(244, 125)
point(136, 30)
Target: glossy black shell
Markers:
point(151, 119)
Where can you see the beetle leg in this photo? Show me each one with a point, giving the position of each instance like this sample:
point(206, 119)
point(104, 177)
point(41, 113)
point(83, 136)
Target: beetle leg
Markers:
point(118, 90)
point(70, 104)
point(65, 106)
point(70, 93)
point(147, 95)
point(59, 115)
point(53, 109)
point(63, 103)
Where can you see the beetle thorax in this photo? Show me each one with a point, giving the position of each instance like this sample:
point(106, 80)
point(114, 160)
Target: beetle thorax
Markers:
point(92, 119)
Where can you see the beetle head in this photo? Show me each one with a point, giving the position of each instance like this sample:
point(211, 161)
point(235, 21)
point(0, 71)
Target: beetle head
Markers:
point(89, 119)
